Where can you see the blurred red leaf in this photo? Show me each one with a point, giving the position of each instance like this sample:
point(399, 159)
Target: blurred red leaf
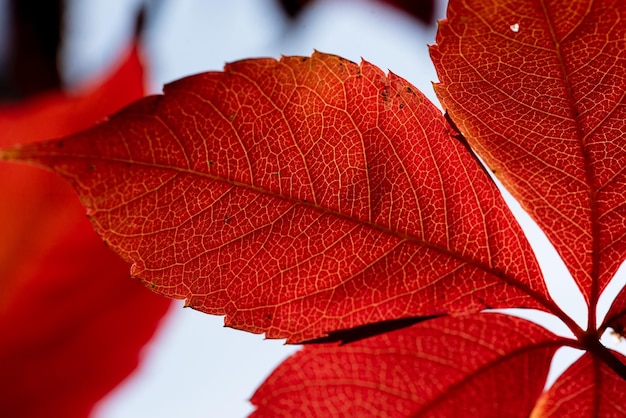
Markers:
point(538, 91)
point(422, 10)
point(72, 322)
point(450, 366)
point(587, 389)
point(279, 189)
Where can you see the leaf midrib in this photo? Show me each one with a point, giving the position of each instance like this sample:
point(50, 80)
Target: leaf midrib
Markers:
point(588, 168)
point(500, 275)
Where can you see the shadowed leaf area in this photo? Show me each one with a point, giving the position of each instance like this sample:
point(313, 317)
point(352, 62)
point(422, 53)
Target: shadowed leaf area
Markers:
point(347, 336)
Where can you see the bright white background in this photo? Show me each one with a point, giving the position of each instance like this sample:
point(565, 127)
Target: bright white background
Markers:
point(195, 367)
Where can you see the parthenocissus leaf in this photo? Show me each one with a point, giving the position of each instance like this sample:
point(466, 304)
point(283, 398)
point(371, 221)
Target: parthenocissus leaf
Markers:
point(587, 389)
point(537, 88)
point(616, 317)
point(299, 197)
point(72, 323)
point(480, 365)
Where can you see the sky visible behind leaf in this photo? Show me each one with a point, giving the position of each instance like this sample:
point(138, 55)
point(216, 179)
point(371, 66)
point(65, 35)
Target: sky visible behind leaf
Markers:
point(196, 367)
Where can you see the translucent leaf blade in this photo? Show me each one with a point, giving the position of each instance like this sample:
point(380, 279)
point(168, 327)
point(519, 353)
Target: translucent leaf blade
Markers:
point(445, 367)
point(537, 87)
point(587, 389)
point(299, 197)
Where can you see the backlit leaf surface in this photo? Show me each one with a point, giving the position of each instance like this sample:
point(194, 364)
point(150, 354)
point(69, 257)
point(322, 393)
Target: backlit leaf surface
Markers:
point(616, 317)
point(448, 367)
point(538, 89)
point(298, 197)
point(587, 389)
point(72, 322)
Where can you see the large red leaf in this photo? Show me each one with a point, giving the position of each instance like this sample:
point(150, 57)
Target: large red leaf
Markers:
point(72, 322)
point(446, 367)
point(587, 389)
point(537, 88)
point(298, 197)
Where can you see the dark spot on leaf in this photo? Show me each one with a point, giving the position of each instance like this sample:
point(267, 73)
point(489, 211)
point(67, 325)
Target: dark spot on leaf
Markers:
point(486, 305)
point(385, 93)
point(401, 105)
point(211, 162)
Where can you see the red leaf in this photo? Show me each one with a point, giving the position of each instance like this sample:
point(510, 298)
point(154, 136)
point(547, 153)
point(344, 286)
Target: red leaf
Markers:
point(616, 317)
point(538, 90)
point(299, 197)
point(445, 367)
point(72, 322)
point(587, 389)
